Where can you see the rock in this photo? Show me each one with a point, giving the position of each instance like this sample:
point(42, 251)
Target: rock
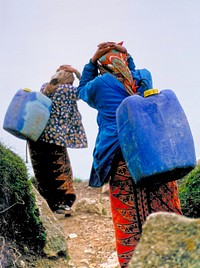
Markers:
point(168, 240)
point(9, 255)
point(71, 264)
point(89, 205)
point(71, 236)
point(112, 261)
point(105, 188)
point(85, 262)
point(22, 264)
point(89, 251)
point(55, 242)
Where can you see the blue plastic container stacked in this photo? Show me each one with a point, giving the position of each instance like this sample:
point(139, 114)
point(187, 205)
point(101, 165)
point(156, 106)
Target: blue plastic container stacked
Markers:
point(155, 137)
point(27, 114)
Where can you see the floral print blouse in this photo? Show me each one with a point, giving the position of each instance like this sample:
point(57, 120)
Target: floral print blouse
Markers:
point(64, 127)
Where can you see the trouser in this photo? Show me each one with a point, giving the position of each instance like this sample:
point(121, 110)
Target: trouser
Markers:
point(53, 171)
point(130, 206)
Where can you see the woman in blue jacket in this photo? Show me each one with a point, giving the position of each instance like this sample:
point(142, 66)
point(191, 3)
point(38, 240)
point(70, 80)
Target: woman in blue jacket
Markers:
point(108, 78)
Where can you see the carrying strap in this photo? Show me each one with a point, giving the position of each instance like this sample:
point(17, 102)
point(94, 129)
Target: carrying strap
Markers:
point(26, 152)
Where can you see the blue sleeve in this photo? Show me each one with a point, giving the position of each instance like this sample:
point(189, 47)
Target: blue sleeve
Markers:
point(131, 63)
point(89, 73)
point(87, 86)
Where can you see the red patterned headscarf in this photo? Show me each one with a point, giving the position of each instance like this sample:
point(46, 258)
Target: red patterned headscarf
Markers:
point(116, 63)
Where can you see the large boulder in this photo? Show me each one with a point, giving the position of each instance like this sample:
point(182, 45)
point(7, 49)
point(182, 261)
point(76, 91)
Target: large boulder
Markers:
point(55, 244)
point(168, 240)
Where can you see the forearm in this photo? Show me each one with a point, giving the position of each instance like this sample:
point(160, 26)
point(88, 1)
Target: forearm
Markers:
point(69, 68)
point(48, 89)
point(89, 73)
point(78, 75)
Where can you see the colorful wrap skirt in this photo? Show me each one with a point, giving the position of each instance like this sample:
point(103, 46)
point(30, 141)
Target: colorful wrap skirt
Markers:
point(53, 172)
point(131, 206)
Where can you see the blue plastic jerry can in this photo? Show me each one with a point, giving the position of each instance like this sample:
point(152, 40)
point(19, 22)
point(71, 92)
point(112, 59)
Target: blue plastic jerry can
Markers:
point(155, 137)
point(28, 114)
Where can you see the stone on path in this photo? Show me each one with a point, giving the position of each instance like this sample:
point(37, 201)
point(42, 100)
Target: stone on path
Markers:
point(168, 240)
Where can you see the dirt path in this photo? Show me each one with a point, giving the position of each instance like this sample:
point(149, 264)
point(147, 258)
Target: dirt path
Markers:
point(90, 237)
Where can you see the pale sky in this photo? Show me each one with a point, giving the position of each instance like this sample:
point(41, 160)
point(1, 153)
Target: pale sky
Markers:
point(37, 36)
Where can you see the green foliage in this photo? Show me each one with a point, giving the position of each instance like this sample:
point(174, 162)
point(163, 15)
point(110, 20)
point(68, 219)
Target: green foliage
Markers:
point(19, 216)
point(189, 193)
point(78, 180)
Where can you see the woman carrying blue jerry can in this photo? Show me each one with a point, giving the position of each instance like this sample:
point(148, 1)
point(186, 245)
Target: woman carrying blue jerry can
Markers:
point(50, 122)
point(49, 154)
point(109, 78)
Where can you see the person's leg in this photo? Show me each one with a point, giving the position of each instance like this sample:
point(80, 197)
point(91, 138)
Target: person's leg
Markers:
point(131, 205)
point(66, 179)
point(53, 172)
point(42, 159)
point(164, 198)
point(127, 213)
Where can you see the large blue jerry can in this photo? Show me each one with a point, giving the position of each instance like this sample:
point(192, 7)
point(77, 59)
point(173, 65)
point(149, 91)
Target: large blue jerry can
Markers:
point(155, 137)
point(27, 114)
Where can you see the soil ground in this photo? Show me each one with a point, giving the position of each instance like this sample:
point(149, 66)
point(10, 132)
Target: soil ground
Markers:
point(90, 237)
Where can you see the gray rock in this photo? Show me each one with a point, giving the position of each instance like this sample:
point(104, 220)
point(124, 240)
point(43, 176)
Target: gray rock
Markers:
point(168, 240)
point(89, 205)
point(56, 243)
point(112, 261)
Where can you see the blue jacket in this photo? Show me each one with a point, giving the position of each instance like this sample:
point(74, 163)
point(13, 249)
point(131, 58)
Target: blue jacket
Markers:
point(105, 93)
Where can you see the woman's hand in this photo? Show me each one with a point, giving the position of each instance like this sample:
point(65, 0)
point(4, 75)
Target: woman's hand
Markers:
point(120, 48)
point(105, 47)
point(100, 52)
point(106, 44)
point(67, 68)
point(70, 69)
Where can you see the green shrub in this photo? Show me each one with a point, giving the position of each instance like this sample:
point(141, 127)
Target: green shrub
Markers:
point(78, 180)
point(19, 216)
point(189, 193)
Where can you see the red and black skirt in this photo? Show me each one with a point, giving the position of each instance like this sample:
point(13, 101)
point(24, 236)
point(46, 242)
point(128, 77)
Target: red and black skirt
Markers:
point(53, 172)
point(131, 206)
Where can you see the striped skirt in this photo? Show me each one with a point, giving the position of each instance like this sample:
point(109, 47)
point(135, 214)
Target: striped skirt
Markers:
point(131, 205)
point(53, 171)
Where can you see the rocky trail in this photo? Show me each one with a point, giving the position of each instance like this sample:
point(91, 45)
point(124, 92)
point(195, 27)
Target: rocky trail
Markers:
point(90, 236)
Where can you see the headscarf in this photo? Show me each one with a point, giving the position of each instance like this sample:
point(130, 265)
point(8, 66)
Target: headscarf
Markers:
point(116, 63)
point(62, 77)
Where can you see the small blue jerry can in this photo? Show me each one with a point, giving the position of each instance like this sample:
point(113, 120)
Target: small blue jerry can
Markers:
point(27, 114)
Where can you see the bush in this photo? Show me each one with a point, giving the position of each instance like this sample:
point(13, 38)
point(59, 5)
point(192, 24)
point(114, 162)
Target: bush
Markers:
point(19, 216)
point(77, 180)
point(189, 193)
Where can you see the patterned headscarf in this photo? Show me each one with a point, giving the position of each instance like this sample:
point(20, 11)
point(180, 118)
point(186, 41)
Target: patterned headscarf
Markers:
point(116, 63)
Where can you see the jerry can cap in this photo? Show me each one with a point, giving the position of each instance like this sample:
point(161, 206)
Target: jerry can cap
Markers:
point(150, 92)
point(27, 89)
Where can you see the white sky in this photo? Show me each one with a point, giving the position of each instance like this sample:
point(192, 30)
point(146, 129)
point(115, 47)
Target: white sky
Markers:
point(37, 36)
